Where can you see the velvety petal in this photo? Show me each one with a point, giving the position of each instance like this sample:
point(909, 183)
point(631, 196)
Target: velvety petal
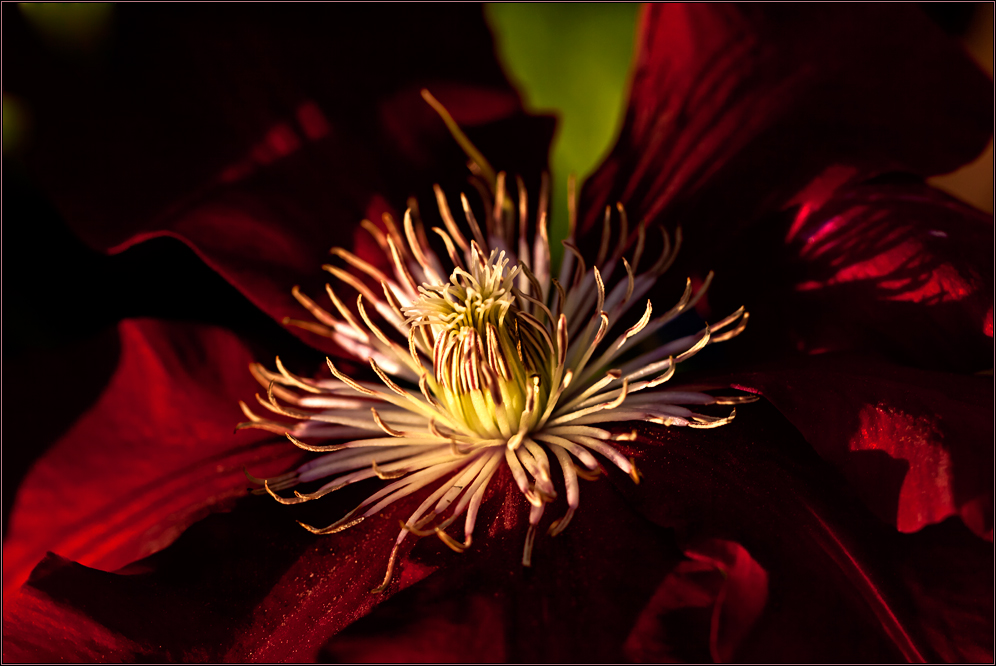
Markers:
point(835, 593)
point(719, 577)
point(154, 453)
point(485, 606)
point(915, 444)
point(735, 109)
point(263, 149)
point(954, 603)
point(37, 631)
point(250, 585)
point(890, 267)
point(842, 586)
point(422, 627)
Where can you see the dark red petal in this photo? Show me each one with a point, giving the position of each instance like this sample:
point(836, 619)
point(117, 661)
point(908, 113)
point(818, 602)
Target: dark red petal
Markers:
point(888, 267)
point(954, 602)
point(554, 611)
point(720, 577)
point(736, 109)
point(265, 148)
point(426, 627)
point(250, 585)
point(916, 445)
point(835, 593)
point(37, 631)
point(254, 586)
point(841, 585)
point(155, 453)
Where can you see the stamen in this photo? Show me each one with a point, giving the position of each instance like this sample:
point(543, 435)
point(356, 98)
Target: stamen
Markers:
point(519, 370)
point(450, 248)
point(292, 379)
point(623, 229)
point(346, 380)
point(316, 311)
point(444, 211)
point(392, 228)
point(390, 571)
point(347, 315)
point(472, 221)
point(460, 137)
point(535, 513)
point(358, 263)
point(334, 528)
point(310, 447)
point(603, 249)
point(499, 227)
point(377, 234)
point(383, 426)
point(400, 269)
point(416, 248)
point(387, 476)
point(587, 475)
point(450, 541)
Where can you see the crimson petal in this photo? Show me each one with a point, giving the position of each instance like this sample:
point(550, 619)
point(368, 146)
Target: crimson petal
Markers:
point(736, 109)
point(890, 267)
point(554, 611)
point(719, 576)
point(252, 585)
point(249, 585)
point(954, 602)
point(835, 593)
point(155, 453)
point(915, 444)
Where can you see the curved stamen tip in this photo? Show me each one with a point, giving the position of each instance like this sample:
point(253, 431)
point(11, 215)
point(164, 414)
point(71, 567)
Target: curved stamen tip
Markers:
point(587, 474)
point(390, 571)
point(252, 479)
point(737, 399)
point(634, 473)
point(560, 524)
point(274, 495)
point(310, 528)
point(527, 551)
point(382, 425)
point(387, 476)
point(455, 545)
point(414, 529)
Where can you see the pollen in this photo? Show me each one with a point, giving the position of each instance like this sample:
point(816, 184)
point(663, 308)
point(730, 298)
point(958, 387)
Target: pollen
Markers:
point(480, 359)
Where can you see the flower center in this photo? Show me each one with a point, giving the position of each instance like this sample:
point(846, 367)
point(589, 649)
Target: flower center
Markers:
point(492, 361)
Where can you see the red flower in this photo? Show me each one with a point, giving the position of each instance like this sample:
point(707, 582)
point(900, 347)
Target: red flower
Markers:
point(848, 516)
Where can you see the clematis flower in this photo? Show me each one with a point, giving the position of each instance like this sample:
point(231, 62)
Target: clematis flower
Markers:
point(517, 367)
point(846, 515)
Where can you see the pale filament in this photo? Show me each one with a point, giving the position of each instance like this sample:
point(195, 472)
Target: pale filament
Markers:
point(486, 363)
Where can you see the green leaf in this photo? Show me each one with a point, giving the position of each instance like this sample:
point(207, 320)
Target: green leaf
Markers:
point(572, 60)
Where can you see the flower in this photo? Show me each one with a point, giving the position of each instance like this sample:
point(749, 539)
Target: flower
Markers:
point(840, 516)
point(518, 372)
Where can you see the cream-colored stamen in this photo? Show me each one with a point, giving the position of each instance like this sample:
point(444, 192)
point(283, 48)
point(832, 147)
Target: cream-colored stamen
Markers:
point(512, 366)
